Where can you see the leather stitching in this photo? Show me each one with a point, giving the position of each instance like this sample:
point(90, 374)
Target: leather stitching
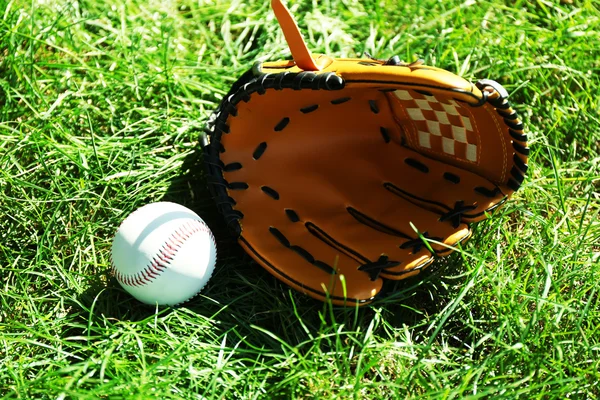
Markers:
point(164, 256)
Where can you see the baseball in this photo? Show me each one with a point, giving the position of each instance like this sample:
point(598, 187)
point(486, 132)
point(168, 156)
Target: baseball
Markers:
point(163, 253)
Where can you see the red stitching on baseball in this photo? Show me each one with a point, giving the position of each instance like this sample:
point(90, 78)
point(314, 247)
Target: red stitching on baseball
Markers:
point(165, 254)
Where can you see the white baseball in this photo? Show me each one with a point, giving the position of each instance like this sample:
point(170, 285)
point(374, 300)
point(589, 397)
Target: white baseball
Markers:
point(163, 253)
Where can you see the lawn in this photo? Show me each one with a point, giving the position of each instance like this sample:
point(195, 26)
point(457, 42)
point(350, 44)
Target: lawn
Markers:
point(102, 104)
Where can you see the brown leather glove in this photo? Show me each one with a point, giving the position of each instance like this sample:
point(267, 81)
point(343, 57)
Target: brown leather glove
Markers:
point(338, 173)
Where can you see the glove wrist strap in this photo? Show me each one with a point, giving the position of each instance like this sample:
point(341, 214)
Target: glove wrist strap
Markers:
point(293, 37)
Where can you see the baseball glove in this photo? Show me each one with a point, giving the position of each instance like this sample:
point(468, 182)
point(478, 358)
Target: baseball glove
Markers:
point(336, 174)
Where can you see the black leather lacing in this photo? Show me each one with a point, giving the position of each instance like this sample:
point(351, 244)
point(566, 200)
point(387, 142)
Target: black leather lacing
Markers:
point(375, 268)
point(252, 82)
point(418, 243)
point(515, 129)
point(302, 252)
point(455, 214)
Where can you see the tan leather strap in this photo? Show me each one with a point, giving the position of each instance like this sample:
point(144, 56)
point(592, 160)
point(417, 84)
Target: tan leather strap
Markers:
point(293, 37)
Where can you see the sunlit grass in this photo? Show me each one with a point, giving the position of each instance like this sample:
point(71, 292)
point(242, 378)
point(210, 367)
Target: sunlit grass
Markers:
point(101, 107)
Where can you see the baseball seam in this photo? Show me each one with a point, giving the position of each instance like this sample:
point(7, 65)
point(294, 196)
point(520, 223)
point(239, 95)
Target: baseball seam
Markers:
point(164, 256)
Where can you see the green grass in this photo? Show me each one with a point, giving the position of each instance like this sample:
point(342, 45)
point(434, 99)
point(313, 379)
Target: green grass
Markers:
point(101, 106)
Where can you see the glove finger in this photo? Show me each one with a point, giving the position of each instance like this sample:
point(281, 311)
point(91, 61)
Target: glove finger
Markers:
point(289, 252)
point(442, 188)
point(383, 228)
point(377, 246)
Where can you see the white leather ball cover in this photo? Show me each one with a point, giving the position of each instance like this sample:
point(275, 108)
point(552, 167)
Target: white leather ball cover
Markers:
point(163, 253)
